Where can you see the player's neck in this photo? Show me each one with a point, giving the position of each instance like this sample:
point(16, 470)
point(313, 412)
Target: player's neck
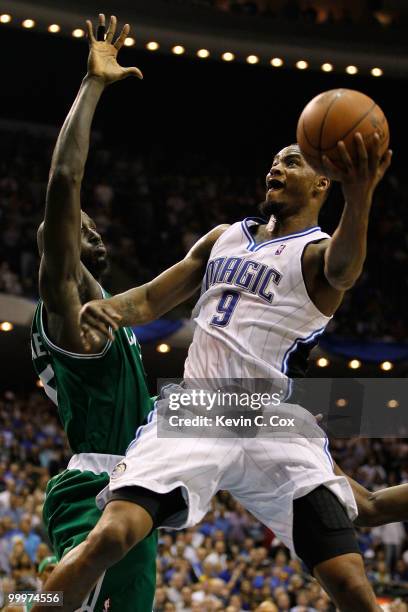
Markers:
point(276, 226)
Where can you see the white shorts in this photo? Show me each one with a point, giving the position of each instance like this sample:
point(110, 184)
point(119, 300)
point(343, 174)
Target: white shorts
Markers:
point(264, 474)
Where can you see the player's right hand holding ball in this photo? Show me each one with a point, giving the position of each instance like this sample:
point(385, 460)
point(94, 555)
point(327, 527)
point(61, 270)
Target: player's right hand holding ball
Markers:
point(360, 177)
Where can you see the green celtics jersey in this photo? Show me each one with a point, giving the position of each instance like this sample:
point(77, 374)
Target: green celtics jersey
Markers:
point(102, 399)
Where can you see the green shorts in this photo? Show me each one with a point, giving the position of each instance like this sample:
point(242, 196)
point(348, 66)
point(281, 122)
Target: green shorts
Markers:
point(70, 514)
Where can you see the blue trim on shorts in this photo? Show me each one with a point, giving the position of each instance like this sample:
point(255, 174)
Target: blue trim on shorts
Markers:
point(326, 450)
point(149, 419)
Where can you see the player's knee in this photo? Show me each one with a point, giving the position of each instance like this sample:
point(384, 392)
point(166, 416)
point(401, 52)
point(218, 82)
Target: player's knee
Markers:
point(109, 544)
point(345, 578)
point(356, 594)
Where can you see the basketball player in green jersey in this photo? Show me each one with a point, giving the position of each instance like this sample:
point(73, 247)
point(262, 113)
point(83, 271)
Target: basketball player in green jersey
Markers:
point(101, 395)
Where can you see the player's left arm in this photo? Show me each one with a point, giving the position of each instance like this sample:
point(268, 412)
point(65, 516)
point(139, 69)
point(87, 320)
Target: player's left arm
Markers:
point(332, 266)
point(379, 507)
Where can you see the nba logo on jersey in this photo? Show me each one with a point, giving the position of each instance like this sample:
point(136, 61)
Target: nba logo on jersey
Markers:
point(280, 249)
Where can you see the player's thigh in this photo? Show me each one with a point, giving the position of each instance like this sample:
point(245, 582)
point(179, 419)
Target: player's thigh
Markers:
point(322, 529)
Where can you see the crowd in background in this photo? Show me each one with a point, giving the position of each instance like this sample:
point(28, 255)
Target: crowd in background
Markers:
point(150, 213)
point(312, 11)
point(229, 562)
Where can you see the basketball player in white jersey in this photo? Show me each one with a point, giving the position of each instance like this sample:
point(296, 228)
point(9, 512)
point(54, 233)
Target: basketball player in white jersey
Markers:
point(269, 288)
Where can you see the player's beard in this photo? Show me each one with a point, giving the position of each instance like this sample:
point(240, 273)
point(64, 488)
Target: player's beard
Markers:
point(98, 267)
point(268, 208)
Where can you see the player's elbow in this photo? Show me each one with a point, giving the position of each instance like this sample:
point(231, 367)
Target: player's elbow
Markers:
point(341, 278)
point(371, 511)
point(64, 174)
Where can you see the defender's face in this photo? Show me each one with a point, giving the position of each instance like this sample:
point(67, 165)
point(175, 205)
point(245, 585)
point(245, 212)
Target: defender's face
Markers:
point(289, 182)
point(93, 251)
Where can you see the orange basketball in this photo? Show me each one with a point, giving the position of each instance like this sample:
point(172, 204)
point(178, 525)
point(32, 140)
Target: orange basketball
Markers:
point(337, 115)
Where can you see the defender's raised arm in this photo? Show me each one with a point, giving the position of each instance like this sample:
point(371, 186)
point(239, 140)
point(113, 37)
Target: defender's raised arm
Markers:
point(65, 283)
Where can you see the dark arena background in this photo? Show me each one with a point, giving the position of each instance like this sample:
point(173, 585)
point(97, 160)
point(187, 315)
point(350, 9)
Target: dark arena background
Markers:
point(172, 156)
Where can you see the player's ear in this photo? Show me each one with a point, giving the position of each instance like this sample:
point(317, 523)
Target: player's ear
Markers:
point(322, 185)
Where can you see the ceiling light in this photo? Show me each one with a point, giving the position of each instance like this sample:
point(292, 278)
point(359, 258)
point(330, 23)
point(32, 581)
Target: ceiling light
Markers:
point(5, 18)
point(302, 65)
point(78, 33)
point(28, 23)
point(386, 366)
point(276, 62)
point(252, 59)
point(178, 50)
point(354, 364)
point(322, 362)
point(203, 53)
point(129, 41)
point(377, 72)
point(152, 45)
point(163, 348)
point(351, 69)
point(228, 56)
point(341, 402)
point(6, 326)
point(54, 28)
point(326, 67)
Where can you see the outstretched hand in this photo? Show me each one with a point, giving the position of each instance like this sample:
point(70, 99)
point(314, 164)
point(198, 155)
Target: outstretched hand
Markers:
point(360, 177)
point(102, 60)
point(96, 318)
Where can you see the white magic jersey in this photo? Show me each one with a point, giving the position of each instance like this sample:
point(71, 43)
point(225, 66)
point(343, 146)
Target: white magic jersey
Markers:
point(255, 318)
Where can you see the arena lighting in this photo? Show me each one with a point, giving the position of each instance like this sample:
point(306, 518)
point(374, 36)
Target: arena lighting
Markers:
point(252, 59)
point(163, 348)
point(302, 65)
point(354, 364)
point(377, 72)
point(6, 326)
point(322, 362)
point(341, 402)
point(392, 403)
point(78, 33)
point(386, 366)
point(178, 50)
point(228, 56)
point(326, 67)
point(152, 45)
point(351, 69)
point(5, 18)
point(54, 28)
point(129, 41)
point(276, 62)
point(203, 53)
point(28, 23)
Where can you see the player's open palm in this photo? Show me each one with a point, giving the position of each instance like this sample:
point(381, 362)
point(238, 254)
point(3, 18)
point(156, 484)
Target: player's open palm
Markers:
point(103, 51)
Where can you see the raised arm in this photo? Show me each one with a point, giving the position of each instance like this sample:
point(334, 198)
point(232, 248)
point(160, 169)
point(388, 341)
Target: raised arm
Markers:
point(333, 266)
point(61, 271)
point(150, 301)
